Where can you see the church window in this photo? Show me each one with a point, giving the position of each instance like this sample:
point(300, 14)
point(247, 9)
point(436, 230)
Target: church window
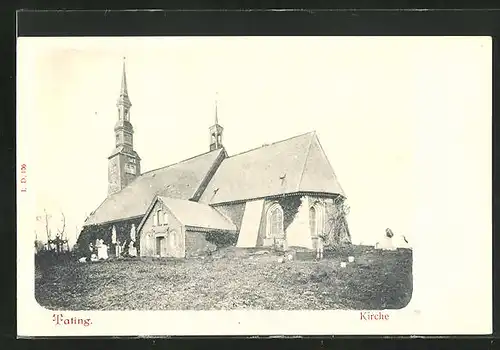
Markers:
point(156, 218)
point(275, 221)
point(316, 214)
point(130, 168)
point(312, 221)
point(159, 217)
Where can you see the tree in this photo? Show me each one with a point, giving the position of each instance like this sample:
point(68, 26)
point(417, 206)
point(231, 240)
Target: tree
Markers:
point(339, 230)
point(47, 229)
point(59, 242)
point(61, 231)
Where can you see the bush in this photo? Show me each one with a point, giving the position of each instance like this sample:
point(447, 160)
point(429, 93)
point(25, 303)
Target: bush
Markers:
point(48, 258)
point(221, 239)
point(341, 250)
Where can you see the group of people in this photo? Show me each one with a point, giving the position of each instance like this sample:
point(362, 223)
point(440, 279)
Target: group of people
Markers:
point(99, 250)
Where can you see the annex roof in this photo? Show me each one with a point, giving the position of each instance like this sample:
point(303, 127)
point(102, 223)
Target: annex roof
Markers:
point(195, 214)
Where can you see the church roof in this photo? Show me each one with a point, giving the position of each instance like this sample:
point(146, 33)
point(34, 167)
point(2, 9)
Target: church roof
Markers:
point(198, 215)
point(181, 180)
point(297, 164)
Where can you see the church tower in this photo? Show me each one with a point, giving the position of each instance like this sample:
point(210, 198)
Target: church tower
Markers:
point(124, 164)
point(216, 133)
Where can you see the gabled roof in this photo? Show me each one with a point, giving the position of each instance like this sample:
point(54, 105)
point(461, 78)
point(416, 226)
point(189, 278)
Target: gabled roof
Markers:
point(297, 164)
point(181, 180)
point(197, 215)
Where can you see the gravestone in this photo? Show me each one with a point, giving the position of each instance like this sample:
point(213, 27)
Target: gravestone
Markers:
point(132, 250)
point(102, 249)
point(118, 249)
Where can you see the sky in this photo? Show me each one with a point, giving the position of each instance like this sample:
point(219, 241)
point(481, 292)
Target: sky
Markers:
point(404, 121)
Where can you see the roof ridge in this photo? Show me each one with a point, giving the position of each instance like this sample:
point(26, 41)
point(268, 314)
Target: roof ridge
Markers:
point(305, 161)
point(272, 144)
point(179, 162)
point(177, 199)
point(166, 200)
point(202, 186)
point(172, 199)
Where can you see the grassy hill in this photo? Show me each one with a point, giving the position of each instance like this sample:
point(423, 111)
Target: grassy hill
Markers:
point(231, 279)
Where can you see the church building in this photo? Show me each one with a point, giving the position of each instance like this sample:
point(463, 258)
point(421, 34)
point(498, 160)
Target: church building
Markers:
point(282, 194)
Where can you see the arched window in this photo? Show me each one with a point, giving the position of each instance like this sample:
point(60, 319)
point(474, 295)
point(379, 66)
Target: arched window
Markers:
point(165, 218)
point(313, 222)
point(159, 217)
point(275, 221)
point(316, 215)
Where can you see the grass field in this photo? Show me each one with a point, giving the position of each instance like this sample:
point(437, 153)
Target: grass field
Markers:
point(231, 280)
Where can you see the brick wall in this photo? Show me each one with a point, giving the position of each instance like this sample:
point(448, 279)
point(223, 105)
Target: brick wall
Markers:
point(196, 243)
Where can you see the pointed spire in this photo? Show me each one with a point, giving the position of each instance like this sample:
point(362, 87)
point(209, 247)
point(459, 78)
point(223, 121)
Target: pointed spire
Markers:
point(124, 99)
point(123, 90)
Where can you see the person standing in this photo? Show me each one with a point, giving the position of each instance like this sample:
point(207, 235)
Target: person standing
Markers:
point(320, 243)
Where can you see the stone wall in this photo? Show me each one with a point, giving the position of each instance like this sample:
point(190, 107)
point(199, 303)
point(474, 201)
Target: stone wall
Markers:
point(196, 243)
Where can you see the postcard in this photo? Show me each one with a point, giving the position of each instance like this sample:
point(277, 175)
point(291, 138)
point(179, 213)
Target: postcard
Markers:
point(172, 186)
